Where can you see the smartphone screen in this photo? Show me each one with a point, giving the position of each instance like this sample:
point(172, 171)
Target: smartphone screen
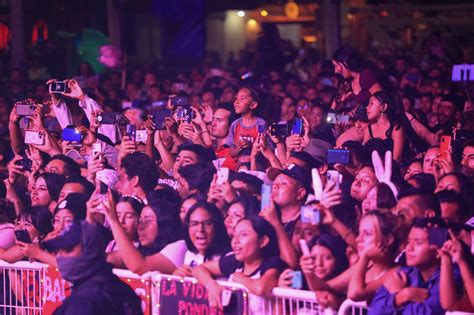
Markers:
point(266, 196)
point(445, 146)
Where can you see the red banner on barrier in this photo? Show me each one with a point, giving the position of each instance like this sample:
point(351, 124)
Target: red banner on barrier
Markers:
point(56, 289)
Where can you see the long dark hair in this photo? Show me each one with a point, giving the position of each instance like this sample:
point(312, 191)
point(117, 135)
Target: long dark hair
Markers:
point(338, 249)
point(54, 183)
point(394, 109)
point(169, 227)
point(221, 242)
point(350, 58)
point(40, 218)
point(263, 228)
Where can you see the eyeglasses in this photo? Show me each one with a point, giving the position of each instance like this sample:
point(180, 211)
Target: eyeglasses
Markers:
point(65, 221)
point(207, 224)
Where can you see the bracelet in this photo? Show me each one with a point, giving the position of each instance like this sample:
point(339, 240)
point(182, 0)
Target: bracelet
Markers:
point(204, 132)
point(411, 119)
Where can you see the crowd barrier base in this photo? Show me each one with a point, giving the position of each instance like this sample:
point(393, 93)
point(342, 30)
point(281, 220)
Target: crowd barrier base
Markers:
point(35, 289)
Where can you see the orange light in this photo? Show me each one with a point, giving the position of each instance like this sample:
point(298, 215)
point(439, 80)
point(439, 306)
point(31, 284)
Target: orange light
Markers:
point(264, 13)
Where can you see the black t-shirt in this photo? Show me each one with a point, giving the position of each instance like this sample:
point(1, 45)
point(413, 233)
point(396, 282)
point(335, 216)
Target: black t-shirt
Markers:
point(229, 264)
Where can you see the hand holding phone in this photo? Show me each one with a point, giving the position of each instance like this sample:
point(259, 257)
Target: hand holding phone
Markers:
point(23, 236)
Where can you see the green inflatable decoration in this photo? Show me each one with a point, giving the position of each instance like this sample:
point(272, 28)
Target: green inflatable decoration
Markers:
point(89, 48)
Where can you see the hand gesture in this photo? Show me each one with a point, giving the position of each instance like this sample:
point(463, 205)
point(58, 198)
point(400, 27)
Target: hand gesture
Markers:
point(150, 126)
point(286, 278)
point(453, 248)
point(270, 215)
point(208, 113)
point(183, 271)
point(75, 90)
point(215, 296)
point(14, 170)
point(127, 146)
point(37, 118)
point(30, 250)
point(307, 264)
point(395, 281)
point(95, 164)
point(14, 118)
point(294, 143)
point(94, 124)
point(171, 126)
point(331, 196)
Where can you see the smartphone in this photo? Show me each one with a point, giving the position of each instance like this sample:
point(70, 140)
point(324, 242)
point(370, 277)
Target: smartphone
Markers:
point(159, 117)
point(107, 118)
point(297, 280)
point(25, 163)
point(334, 177)
point(222, 175)
point(34, 137)
point(266, 199)
point(261, 128)
point(438, 236)
point(72, 134)
point(297, 127)
point(279, 130)
point(340, 156)
point(445, 146)
point(57, 87)
point(331, 119)
point(24, 109)
point(310, 215)
point(96, 149)
point(76, 156)
point(103, 189)
point(22, 236)
point(304, 247)
point(141, 136)
point(131, 132)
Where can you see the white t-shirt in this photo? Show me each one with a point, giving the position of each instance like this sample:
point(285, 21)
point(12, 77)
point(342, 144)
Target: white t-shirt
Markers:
point(7, 235)
point(175, 252)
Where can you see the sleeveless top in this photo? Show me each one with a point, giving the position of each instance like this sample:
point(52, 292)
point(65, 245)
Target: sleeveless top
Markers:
point(378, 144)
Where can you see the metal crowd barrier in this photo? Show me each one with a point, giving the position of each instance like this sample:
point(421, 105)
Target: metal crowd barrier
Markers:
point(34, 288)
point(349, 307)
point(22, 289)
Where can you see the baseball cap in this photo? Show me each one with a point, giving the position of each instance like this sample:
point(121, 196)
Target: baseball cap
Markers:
point(296, 172)
point(75, 203)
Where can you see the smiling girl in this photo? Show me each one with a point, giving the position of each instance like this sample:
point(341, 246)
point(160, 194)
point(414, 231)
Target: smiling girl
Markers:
point(255, 262)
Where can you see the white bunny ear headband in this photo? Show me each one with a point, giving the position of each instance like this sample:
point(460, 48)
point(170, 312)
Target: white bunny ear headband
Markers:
point(384, 173)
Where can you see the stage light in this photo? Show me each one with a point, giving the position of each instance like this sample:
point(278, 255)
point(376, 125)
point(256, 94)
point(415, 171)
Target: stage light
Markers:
point(264, 13)
point(241, 13)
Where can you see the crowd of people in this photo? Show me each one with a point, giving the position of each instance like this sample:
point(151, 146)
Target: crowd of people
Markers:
point(350, 177)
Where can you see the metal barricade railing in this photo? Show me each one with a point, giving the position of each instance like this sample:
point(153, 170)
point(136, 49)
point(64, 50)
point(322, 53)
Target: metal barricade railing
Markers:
point(22, 290)
point(285, 301)
point(29, 288)
point(349, 307)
